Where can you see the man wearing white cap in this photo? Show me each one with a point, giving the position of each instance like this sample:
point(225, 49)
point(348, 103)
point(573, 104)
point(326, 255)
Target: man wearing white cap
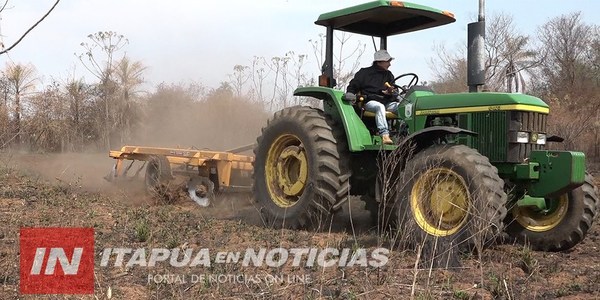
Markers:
point(371, 81)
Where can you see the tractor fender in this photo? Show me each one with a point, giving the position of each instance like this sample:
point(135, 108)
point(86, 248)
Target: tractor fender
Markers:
point(424, 138)
point(342, 111)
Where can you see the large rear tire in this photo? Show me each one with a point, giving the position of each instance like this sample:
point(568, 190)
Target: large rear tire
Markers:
point(450, 199)
point(563, 225)
point(301, 168)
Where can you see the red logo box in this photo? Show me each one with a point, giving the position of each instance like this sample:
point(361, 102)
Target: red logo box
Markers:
point(57, 260)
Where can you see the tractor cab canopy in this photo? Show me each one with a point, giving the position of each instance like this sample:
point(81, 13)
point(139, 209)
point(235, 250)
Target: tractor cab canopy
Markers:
point(381, 19)
point(384, 18)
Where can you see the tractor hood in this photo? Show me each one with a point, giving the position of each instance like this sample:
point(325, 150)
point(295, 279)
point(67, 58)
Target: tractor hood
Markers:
point(384, 18)
point(475, 102)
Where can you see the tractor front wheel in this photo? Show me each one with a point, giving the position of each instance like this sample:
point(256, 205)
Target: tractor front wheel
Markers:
point(562, 225)
point(450, 197)
point(301, 168)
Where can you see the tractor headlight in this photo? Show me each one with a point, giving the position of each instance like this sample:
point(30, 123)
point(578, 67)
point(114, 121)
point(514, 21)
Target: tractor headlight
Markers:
point(522, 137)
point(541, 139)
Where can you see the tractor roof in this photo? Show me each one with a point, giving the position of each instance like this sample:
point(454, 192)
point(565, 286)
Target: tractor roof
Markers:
point(384, 18)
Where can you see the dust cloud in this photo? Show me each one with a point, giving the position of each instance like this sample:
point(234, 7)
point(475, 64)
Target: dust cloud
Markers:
point(174, 116)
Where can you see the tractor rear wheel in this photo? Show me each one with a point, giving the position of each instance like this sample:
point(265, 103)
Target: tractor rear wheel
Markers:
point(563, 225)
point(450, 198)
point(301, 168)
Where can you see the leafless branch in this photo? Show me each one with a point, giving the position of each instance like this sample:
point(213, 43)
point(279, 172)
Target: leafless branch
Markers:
point(4, 6)
point(30, 29)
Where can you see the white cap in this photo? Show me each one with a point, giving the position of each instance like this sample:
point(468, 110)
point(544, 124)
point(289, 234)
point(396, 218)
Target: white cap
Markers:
point(382, 55)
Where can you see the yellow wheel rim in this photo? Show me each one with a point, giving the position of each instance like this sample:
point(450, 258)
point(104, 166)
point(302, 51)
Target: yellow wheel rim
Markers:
point(542, 220)
point(440, 201)
point(286, 170)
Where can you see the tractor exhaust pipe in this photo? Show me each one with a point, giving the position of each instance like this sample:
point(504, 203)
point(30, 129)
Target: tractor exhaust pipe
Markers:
point(476, 52)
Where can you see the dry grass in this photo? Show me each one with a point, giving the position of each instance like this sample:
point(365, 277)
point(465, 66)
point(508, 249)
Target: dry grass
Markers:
point(127, 219)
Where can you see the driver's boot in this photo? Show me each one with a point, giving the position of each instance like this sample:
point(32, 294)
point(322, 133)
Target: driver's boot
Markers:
point(385, 138)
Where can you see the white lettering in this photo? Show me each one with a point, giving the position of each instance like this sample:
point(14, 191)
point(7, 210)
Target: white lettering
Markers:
point(359, 257)
point(56, 255)
point(137, 258)
point(278, 253)
point(380, 257)
point(311, 257)
point(187, 255)
point(330, 262)
point(202, 258)
point(298, 253)
point(344, 257)
point(274, 258)
point(256, 258)
point(120, 255)
point(105, 257)
point(158, 254)
point(233, 257)
point(38, 261)
point(221, 257)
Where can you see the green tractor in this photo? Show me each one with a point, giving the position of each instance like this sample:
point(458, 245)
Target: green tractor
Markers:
point(466, 166)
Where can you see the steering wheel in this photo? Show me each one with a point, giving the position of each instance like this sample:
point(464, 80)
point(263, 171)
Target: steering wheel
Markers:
point(413, 81)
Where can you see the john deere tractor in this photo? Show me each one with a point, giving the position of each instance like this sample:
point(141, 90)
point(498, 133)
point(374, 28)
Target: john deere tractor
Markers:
point(464, 165)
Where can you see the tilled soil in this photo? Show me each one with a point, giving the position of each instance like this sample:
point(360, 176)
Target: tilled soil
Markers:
point(36, 191)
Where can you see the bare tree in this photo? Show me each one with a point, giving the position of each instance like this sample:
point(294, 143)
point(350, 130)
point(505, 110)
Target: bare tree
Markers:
point(5, 130)
point(239, 78)
point(508, 59)
point(278, 66)
point(346, 62)
point(259, 74)
point(570, 80)
point(98, 59)
point(28, 30)
point(21, 80)
point(129, 78)
point(77, 92)
point(565, 42)
point(449, 69)
point(509, 55)
point(272, 81)
point(47, 125)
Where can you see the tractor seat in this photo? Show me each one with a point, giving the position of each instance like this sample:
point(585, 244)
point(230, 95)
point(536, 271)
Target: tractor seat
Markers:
point(358, 103)
point(388, 114)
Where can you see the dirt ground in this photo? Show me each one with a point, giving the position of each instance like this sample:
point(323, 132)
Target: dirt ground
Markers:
point(69, 191)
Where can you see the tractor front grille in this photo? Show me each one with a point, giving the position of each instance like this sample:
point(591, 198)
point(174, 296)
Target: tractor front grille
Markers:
point(491, 140)
point(495, 128)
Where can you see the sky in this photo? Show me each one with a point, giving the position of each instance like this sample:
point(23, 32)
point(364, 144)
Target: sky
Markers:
point(201, 41)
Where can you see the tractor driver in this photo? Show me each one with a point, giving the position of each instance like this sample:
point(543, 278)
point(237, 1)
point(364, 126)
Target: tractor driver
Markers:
point(371, 82)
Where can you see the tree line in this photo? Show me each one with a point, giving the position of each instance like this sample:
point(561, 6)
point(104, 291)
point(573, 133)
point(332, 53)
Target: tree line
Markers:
point(560, 64)
point(118, 108)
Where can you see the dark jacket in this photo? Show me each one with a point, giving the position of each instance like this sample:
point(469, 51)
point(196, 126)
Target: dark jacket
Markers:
point(371, 81)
